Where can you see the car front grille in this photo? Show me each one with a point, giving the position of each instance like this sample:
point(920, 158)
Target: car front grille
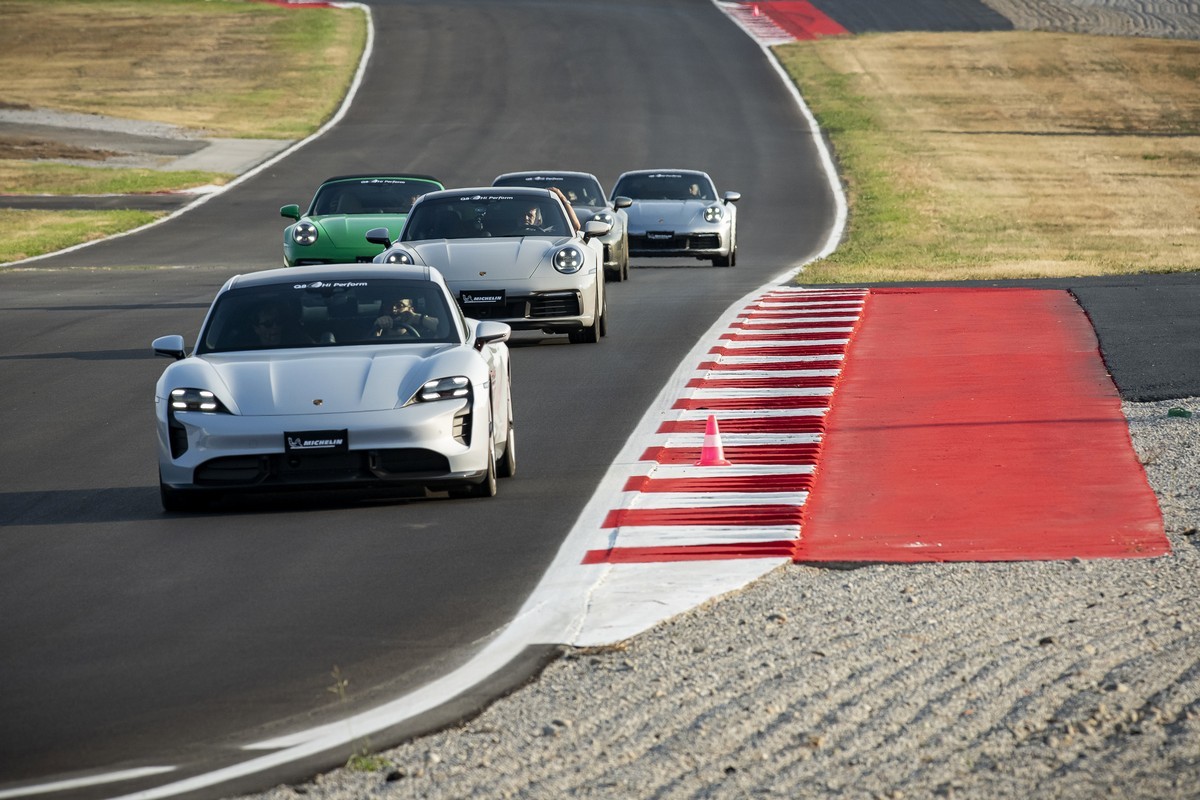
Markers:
point(409, 461)
point(233, 471)
point(317, 468)
point(513, 309)
point(539, 306)
point(692, 241)
point(557, 304)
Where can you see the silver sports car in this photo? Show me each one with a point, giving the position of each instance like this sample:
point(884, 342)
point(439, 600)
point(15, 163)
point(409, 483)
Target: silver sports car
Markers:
point(509, 254)
point(676, 212)
point(585, 194)
point(338, 376)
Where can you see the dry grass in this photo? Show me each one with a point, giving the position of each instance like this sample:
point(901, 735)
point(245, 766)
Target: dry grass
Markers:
point(224, 67)
point(1009, 155)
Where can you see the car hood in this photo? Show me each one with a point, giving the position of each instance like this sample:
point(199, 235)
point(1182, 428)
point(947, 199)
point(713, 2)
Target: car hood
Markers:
point(330, 381)
point(652, 214)
point(351, 230)
point(508, 258)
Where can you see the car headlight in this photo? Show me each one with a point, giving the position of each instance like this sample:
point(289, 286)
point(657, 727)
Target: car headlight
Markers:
point(196, 400)
point(568, 260)
point(603, 216)
point(397, 257)
point(713, 214)
point(444, 389)
point(305, 233)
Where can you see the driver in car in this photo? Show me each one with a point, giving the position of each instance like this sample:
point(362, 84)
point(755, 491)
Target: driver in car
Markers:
point(404, 320)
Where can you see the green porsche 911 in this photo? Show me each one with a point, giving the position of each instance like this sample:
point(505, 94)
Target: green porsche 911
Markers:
point(344, 208)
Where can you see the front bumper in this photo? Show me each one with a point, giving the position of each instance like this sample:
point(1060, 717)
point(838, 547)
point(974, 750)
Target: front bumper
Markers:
point(701, 244)
point(306, 257)
point(560, 306)
point(535, 311)
point(438, 444)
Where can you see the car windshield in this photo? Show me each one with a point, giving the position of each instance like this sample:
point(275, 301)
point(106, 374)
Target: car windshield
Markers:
point(328, 313)
point(666, 186)
point(580, 190)
point(369, 196)
point(483, 216)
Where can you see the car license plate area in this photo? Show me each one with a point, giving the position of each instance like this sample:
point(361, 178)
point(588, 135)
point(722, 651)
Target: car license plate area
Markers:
point(330, 441)
point(475, 299)
point(660, 236)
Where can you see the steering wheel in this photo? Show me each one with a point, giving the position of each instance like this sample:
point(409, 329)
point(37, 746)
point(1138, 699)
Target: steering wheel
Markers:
point(396, 328)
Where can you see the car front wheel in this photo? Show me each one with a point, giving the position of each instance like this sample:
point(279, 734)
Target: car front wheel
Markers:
point(487, 486)
point(726, 261)
point(508, 463)
point(592, 333)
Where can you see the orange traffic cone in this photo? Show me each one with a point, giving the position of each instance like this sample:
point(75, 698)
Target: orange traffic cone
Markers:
point(712, 454)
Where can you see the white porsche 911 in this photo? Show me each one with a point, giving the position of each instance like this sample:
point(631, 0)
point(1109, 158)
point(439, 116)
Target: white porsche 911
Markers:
point(509, 254)
point(677, 212)
point(351, 375)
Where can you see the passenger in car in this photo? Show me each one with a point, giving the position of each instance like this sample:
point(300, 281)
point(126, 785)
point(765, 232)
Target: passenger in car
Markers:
point(272, 327)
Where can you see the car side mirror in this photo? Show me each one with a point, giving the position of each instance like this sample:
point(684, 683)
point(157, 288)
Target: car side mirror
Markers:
point(291, 211)
point(489, 331)
point(621, 201)
point(169, 346)
point(732, 197)
point(379, 236)
point(594, 227)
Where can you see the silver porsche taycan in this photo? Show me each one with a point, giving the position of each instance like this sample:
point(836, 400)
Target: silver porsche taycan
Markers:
point(353, 375)
point(677, 212)
point(509, 254)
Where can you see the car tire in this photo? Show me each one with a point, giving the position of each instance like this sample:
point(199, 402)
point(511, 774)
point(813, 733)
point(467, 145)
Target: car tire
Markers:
point(486, 487)
point(730, 259)
point(726, 261)
point(507, 467)
point(604, 315)
point(592, 333)
point(621, 271)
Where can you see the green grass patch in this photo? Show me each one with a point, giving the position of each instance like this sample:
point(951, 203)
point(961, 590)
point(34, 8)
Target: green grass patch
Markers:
point(30, 233)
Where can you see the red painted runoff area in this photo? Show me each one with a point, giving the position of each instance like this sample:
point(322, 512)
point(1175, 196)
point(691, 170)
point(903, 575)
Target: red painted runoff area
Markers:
point(691, 552)
point(800, 19)
point(977, 425)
